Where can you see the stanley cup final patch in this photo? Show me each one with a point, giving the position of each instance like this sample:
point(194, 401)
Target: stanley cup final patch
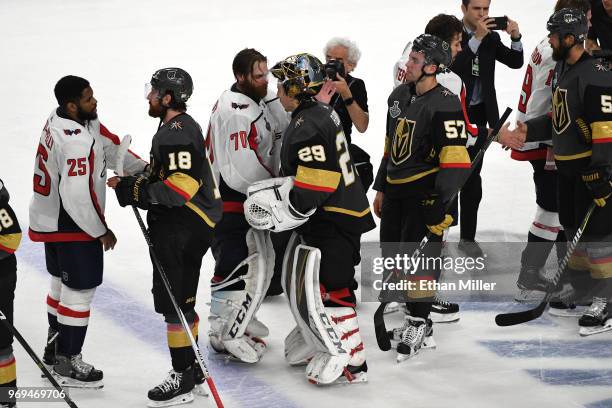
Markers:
point(394, 110)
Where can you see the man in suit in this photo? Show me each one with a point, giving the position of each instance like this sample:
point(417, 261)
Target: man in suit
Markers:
point(475, 64)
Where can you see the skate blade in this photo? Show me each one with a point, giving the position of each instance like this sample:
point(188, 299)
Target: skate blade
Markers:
point(72, 383)
point(429, 343)
point(178, 400)
point(589, 331)
point(403, 357)
point(361, 377)
point(444, 318)
point(200, 389)
point(565, 312)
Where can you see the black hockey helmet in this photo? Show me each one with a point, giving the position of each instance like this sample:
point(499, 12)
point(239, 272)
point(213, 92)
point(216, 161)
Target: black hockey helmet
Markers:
point(568, 21)
point(301, 75)
point(435, 50)
point(175, 80)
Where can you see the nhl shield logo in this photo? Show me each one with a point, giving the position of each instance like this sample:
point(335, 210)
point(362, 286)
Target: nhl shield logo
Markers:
point(560, 111)
point(395, 111)
point(402, 141)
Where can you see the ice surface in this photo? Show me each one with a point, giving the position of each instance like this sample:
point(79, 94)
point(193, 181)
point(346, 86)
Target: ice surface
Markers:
point(117, 45)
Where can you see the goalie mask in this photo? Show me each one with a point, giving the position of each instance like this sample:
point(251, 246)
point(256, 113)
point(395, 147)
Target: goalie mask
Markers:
point(301, 75)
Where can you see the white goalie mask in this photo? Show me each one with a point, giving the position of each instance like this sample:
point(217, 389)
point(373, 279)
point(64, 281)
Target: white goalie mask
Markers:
point(268, 208)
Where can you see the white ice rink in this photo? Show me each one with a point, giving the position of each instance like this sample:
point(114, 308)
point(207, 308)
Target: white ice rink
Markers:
point(117, 45)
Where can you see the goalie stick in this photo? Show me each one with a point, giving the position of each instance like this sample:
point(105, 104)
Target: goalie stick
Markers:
point(123, 148)
point(511, 319)
point(37, 360)
point(380, 329)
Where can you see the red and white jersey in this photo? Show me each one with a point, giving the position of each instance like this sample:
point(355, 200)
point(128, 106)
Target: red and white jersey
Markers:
point(536, 95)
point(244, 139)
point(69, 180)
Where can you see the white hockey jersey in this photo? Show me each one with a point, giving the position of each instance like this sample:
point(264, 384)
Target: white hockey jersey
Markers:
point(69, 180)
point(536, 94)
point(244, 138)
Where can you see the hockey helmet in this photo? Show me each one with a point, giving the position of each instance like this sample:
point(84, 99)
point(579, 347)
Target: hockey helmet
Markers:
point(435, 50)
point(175, 80)
point(568, 21)
point(301, 75)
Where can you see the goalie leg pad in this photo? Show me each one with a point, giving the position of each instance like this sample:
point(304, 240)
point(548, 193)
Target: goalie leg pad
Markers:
point(297, 350)
point(234, 328)
point(332, 331)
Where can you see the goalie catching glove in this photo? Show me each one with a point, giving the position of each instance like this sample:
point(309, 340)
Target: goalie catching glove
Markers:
point(435, 215)
point(132, 190)
point(268, 207)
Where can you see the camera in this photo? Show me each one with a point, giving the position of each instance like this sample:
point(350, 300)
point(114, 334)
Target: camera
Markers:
point(334, 67)
point(501, 23)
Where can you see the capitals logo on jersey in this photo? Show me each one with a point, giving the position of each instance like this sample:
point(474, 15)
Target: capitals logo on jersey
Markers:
point(402, 141)
point(560, 112)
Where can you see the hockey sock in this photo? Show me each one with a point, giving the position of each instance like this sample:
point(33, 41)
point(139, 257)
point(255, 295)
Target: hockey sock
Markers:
point(181, 353)
point(53, 302)
point(537, 251)
point(73, 318)
point(8, 368)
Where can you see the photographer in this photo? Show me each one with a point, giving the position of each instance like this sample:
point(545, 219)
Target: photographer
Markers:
point(348, 96)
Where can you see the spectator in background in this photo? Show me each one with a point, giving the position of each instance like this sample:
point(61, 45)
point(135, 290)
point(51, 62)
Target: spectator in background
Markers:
point(349, 98)
point(475, 64)
point(600, 32)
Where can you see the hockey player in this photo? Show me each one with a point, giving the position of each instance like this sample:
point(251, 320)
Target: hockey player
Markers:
point(183, 206)
point(320, 195)
point(450, 29)
point(425, 161)
point(545, 229)
point(67, 214)
point(581, 128)
point(10, 236)
point(244, 135)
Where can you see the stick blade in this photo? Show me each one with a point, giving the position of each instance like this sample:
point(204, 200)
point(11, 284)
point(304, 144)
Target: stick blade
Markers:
point(512, 319)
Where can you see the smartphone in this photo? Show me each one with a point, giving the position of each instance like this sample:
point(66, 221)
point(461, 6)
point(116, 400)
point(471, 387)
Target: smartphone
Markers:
point(501, 23)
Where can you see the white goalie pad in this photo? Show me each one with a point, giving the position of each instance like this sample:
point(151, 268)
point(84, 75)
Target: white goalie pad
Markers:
point(233, 326)
point(268, 207)
point(328, 332)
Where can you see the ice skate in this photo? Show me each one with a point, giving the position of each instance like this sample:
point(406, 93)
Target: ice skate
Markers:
point(443, 311)
point(596, 319)
point(174, 390)
point(412, 338)
point(72, 371)
point(396, 334)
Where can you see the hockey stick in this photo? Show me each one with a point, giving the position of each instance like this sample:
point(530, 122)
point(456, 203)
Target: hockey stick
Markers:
point(37, 360)
point(511, 319)
point(380, 329)
point(213, 389)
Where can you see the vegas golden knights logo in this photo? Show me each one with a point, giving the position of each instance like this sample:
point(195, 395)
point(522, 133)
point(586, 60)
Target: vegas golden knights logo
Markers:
point(560, 113)
point(402, 141)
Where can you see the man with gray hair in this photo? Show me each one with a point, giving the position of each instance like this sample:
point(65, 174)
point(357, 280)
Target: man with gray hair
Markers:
point(348, 96)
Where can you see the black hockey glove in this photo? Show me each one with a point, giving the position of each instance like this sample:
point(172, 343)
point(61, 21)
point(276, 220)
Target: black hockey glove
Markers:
point(436, 218)
point(598, 182)
point(132, 190)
